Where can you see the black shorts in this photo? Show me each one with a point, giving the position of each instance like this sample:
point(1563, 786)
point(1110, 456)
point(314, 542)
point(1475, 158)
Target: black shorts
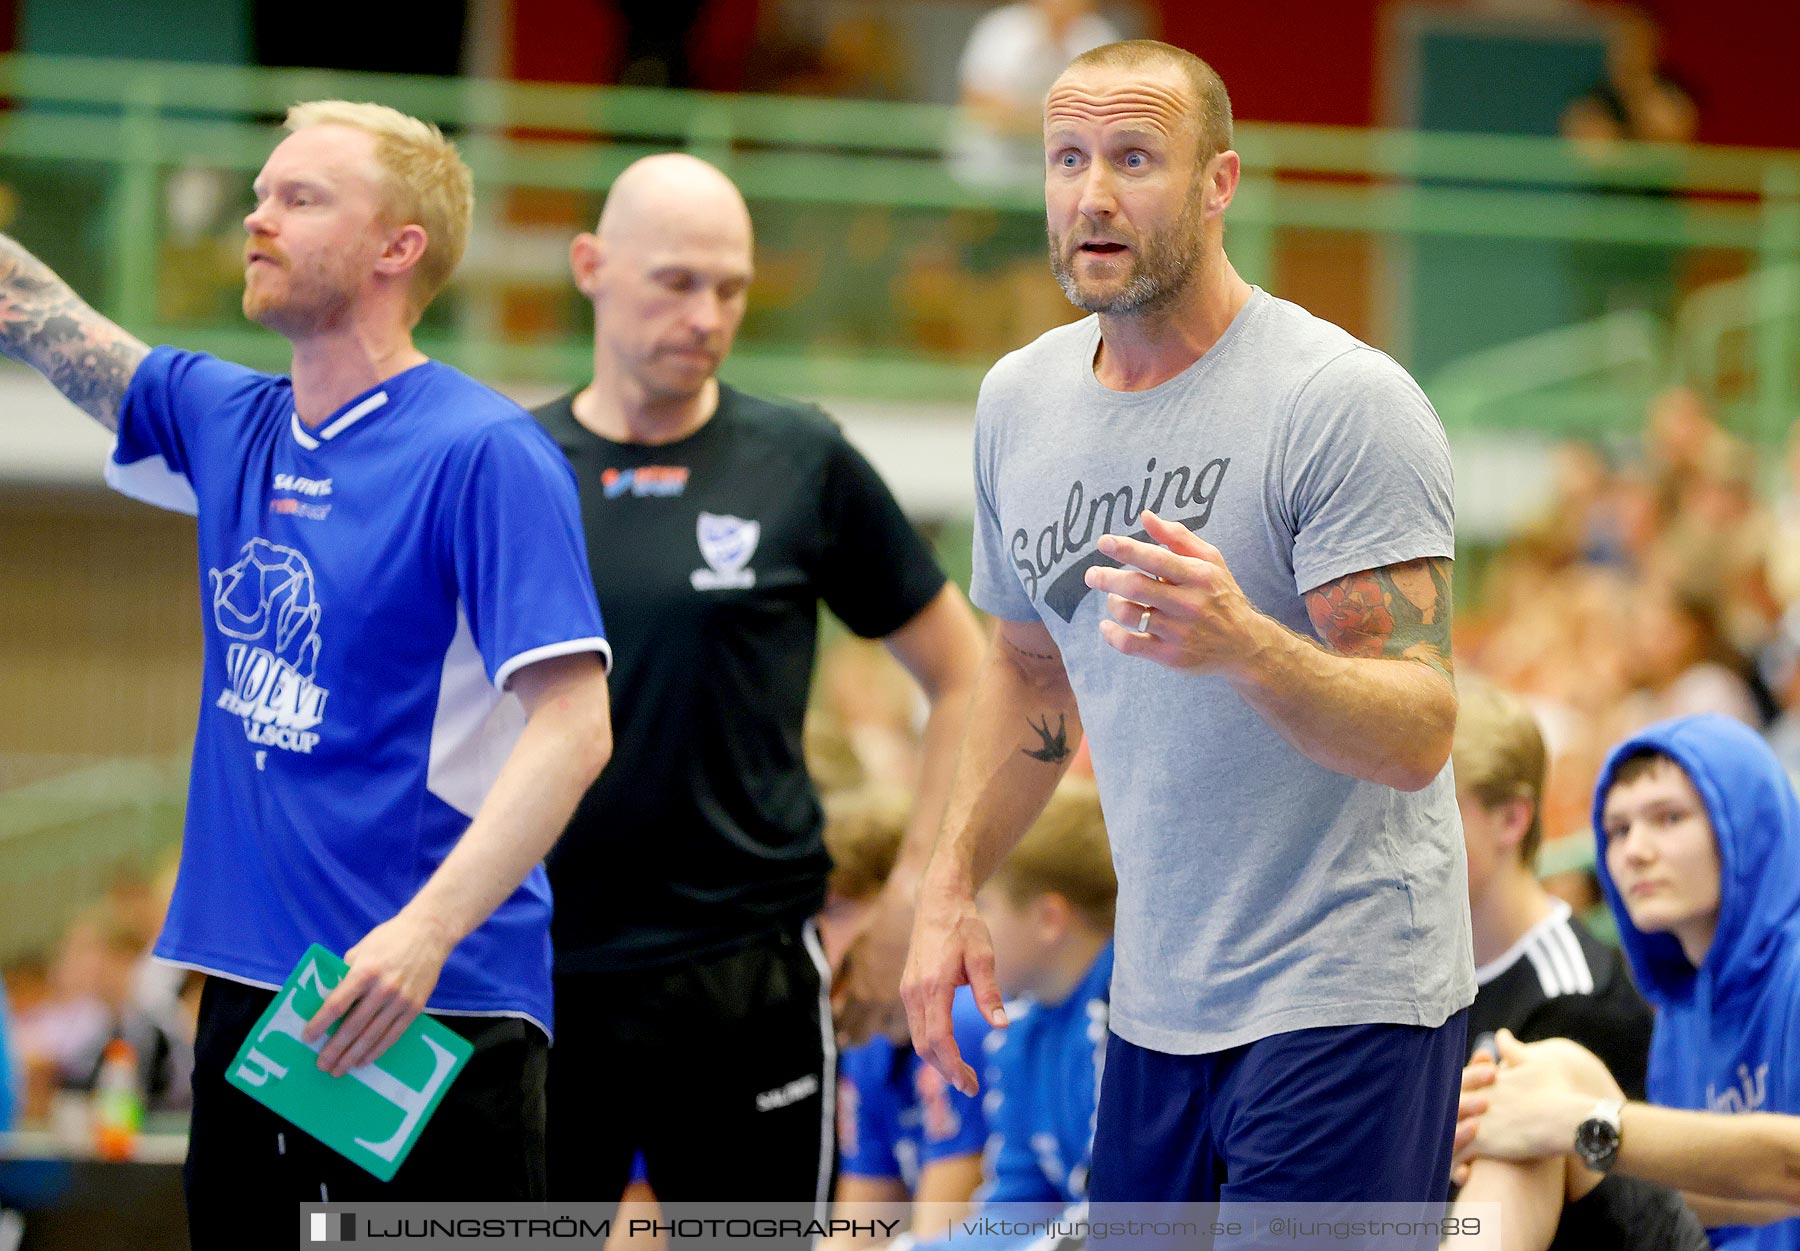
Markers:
point(248, 1170)
point(722, 1073)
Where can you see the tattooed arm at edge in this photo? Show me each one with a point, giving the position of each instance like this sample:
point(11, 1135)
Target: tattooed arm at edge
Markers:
point(47, 326)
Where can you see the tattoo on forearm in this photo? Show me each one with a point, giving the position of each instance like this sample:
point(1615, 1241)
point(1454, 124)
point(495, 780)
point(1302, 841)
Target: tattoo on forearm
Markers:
point(1401, 612)
point(47, 326)
point(1055, 747)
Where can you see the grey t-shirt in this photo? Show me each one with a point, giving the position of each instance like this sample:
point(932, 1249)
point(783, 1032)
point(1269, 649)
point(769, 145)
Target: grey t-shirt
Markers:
point(1259, 892)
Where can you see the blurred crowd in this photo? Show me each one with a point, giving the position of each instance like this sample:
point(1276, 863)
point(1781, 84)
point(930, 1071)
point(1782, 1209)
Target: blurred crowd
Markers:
point(97, 986)
point(1660, 580)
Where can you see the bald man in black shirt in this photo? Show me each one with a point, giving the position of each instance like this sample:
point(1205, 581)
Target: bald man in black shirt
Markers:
point(693, 1024)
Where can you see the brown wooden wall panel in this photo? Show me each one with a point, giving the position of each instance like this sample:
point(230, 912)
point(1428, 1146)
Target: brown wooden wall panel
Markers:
point(99, 640)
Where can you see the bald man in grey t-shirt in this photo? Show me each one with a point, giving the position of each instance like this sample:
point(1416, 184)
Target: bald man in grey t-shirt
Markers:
point(1217, 533)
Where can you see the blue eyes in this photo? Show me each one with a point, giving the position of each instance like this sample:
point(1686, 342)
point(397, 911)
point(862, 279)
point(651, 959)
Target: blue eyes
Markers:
point(1133, 160)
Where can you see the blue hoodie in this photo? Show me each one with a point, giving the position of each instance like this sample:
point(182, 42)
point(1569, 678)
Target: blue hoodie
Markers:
point(1727, 1035)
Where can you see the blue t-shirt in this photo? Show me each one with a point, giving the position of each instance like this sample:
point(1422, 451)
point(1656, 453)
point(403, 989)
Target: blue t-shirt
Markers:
point(367, 590)
point(896, 1113)
point(1042, 1077)
point(1043, 1082)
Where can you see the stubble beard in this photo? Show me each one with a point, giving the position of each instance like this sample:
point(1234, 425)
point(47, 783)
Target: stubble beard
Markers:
point(309, 303)
point(1162, 269)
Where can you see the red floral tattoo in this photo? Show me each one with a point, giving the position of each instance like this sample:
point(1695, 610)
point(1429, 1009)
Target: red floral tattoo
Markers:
point(1400, 611)
point(1352, 615)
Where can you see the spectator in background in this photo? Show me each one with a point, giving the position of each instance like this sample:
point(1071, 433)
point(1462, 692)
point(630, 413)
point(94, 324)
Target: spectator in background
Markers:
point(1701, 830)
point(1713, 536)
point(1637, 101)
point(1013, 55)
point(162, 1044)
point(1001, 296)
point(311, 36)
point(1679, 431)
point(656, 41)
point(1574, 524)
point(1050, 909)
point(869, 697)
point(54, 1029)
point(855, 55)
point(1682, 662)
point(864, 828)
point(104, 986)
point(29, 990)
point(1539, 973)
point(1717, 544)
point(904, 1133)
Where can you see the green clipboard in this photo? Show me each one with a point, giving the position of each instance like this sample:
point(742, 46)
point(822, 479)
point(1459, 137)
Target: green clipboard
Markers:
point(372, 1115)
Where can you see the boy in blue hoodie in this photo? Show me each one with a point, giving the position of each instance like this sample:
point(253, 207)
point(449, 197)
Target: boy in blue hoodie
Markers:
point(1699, 831)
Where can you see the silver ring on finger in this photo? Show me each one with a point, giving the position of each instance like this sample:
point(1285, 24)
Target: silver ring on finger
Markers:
point(1143, 625)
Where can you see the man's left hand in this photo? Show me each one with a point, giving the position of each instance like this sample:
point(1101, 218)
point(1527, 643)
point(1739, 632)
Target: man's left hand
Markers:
point(1199, 619)
point(393, 971)
point(1537, 1097)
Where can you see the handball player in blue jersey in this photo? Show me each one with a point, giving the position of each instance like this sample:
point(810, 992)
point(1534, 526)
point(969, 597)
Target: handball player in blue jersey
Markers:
point(404, 690)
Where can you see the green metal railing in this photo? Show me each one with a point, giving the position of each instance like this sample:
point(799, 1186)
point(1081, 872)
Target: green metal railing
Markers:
point(100, 140)
point(1560, 377)
point(134, 122)
point(66, 838)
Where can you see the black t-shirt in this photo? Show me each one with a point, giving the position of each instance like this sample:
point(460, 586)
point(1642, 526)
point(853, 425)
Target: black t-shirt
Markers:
point(1559, 981)
point(1629, 1214)
point(711, 556)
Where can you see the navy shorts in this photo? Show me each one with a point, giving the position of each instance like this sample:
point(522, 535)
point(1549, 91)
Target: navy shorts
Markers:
point(1353, 1113)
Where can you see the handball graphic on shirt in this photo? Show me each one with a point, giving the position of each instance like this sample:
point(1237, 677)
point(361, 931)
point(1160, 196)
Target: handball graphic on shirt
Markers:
point(268, 605)
point(368, 588)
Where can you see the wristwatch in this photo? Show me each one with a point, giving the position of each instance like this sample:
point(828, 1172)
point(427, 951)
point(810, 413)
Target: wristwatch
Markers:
point(1597, 1138)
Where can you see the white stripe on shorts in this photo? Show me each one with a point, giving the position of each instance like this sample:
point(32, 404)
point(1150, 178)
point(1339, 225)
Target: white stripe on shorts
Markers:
point(809, 935)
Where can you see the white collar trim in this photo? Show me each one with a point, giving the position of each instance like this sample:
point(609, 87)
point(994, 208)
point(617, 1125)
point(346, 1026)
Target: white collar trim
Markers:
point(311, 443)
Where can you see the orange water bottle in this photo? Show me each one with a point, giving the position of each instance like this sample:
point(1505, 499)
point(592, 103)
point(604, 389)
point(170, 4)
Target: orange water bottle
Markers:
point(118, 1103)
